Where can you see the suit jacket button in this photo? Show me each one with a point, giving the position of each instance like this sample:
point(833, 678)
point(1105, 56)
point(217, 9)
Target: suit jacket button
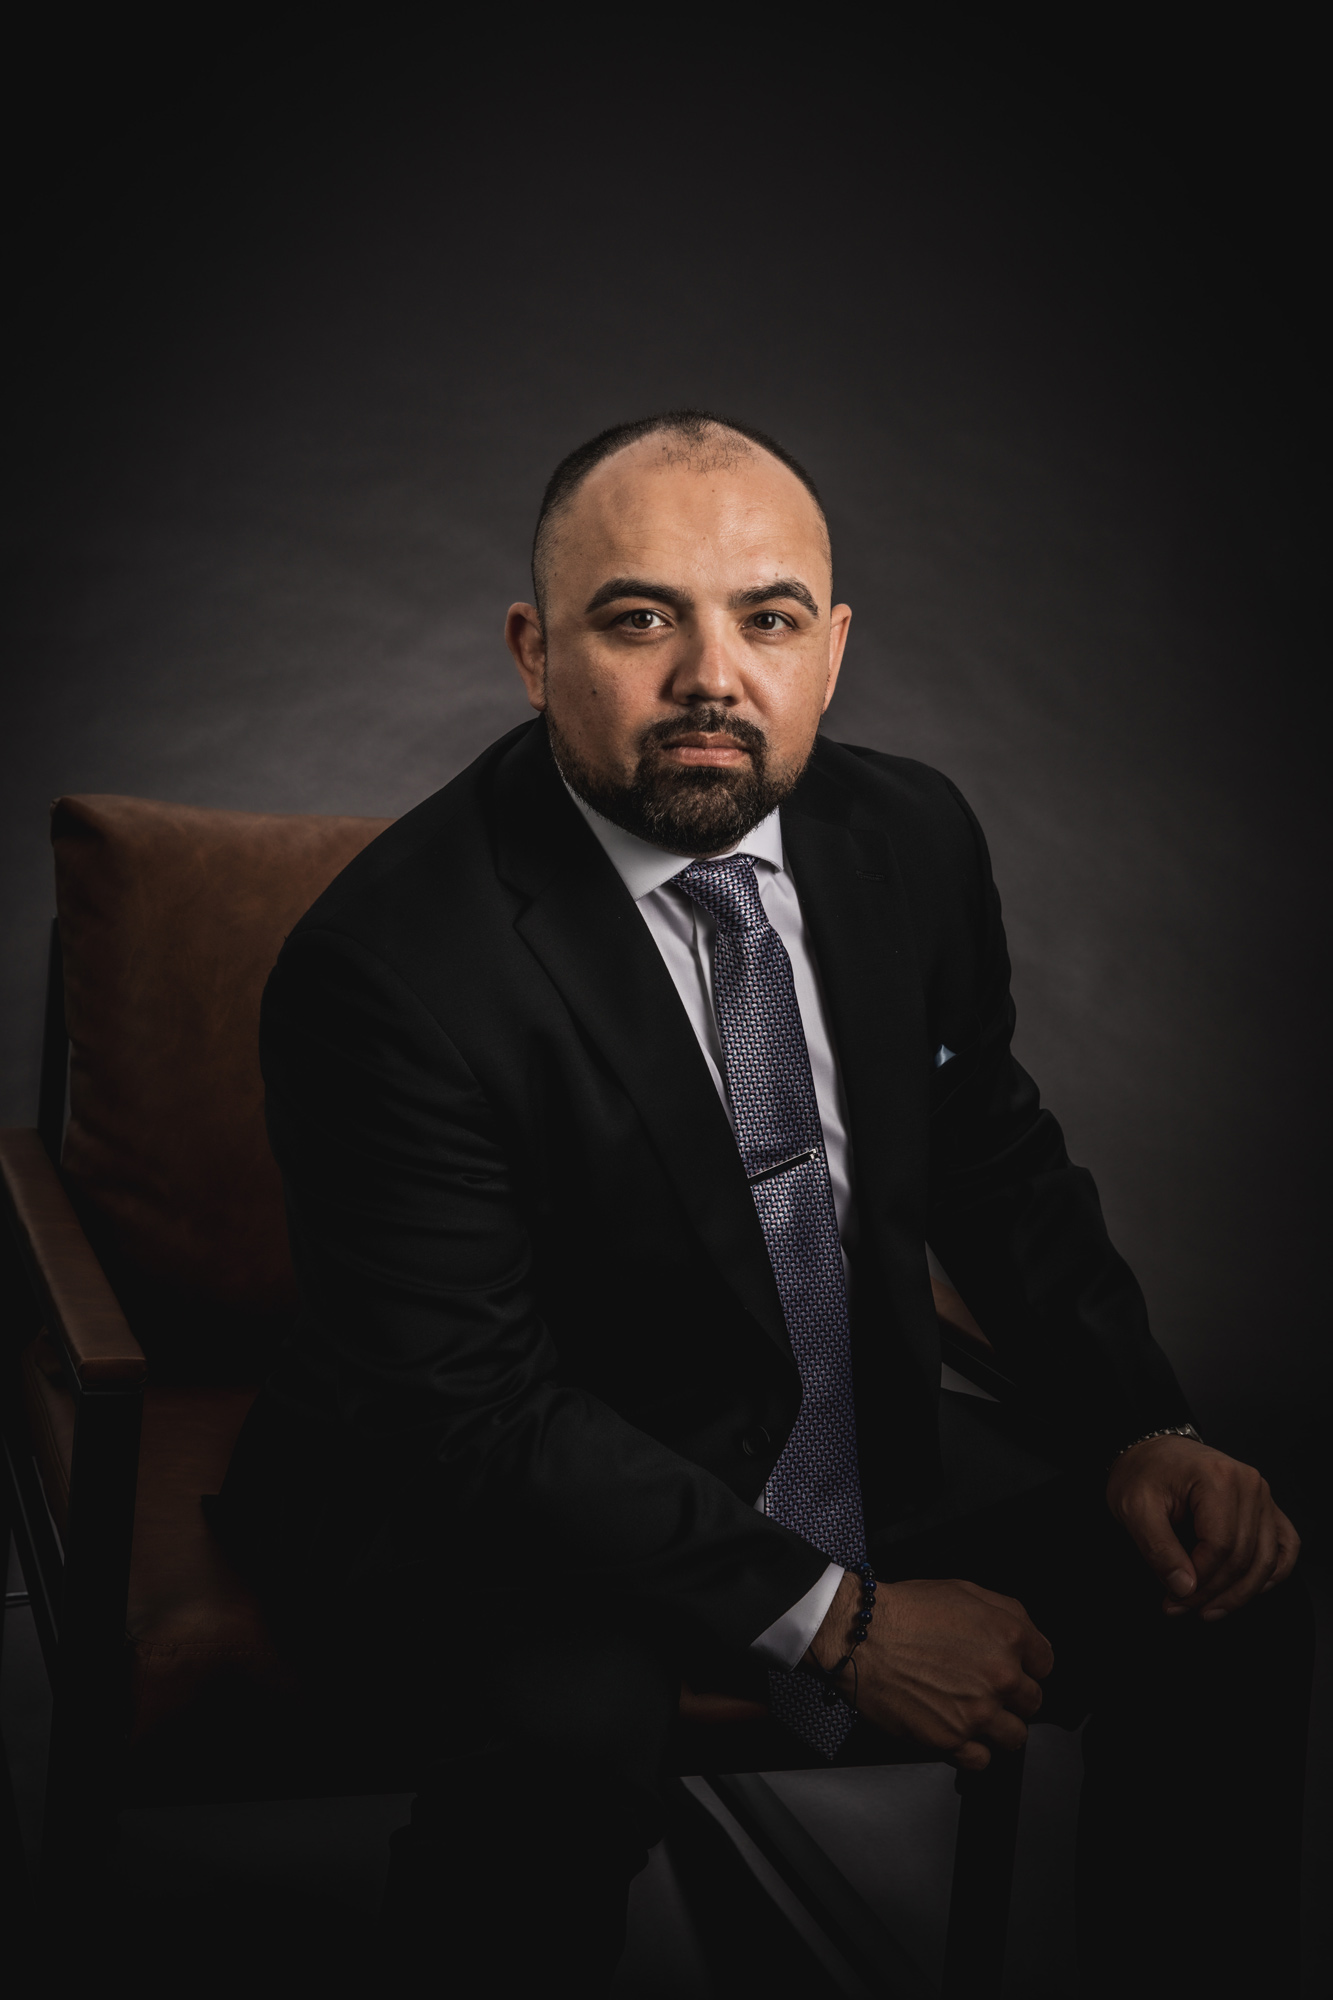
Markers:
point(755, 1442)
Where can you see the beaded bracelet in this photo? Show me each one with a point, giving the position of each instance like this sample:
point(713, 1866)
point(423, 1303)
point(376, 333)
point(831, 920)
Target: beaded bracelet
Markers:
point(860, 1626)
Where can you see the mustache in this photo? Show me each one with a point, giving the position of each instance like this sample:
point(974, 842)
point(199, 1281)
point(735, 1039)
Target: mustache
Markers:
point(708, 722)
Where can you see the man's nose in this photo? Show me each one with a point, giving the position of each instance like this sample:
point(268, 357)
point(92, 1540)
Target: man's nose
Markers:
point(706, 670)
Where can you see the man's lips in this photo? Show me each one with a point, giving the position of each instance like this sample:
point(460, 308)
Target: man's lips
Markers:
point(701, 749)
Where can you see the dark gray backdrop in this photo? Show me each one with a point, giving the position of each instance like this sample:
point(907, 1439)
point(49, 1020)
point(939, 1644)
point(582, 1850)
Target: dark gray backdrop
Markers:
point(308, 343)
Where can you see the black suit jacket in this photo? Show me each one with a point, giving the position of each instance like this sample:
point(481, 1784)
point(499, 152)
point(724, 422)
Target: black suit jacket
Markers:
point(539, 1318)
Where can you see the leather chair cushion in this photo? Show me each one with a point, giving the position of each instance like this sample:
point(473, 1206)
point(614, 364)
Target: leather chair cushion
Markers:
point(171, 918)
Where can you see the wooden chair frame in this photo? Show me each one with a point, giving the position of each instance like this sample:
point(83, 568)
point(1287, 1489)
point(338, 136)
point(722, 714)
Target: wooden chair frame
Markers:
point(76, 1581)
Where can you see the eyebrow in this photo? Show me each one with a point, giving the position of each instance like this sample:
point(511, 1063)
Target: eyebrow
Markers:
point(786, 586)
point(636, 586)
point(680, 600)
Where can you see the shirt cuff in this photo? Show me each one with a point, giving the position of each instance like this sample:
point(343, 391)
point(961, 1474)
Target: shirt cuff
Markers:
point(784, 1642)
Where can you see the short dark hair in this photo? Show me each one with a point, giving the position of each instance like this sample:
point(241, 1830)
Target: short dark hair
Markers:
point(693, 425)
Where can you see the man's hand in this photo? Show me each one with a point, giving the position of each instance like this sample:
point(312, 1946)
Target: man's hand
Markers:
point(1243, 1543)
point(945, 1664)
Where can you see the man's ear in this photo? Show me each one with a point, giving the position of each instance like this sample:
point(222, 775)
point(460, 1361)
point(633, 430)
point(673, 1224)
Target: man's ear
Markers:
point(840, 619)
point(526, 640)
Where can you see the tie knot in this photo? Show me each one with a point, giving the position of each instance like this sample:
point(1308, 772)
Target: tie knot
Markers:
point(727, 889)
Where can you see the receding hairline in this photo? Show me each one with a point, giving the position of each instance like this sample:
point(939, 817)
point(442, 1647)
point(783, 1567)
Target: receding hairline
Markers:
point(707, 441)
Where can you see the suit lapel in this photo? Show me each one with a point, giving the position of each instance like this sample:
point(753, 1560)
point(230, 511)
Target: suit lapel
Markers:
point(581, 924)
point(855, 908)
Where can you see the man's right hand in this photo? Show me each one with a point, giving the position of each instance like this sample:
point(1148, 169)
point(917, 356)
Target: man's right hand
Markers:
point(945, 1664)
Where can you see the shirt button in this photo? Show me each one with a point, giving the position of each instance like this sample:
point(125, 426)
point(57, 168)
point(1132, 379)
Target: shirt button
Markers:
point(754, 1442)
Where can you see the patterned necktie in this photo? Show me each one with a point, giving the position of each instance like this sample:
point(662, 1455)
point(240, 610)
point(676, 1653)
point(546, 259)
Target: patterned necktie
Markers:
point(815, 1487)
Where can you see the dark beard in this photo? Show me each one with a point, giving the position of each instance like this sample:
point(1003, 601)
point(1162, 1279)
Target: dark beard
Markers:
point(699, 811)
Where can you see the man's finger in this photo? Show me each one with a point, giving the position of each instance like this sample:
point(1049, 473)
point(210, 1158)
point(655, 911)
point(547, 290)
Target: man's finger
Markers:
point(1220, 1569)
point(1006, 1731)
point(1217, 1529)
point(1254, 1579)
point(972, 1757)
point(1024, 1697)
point(1228, 1541)
point(1156, 1540)
point(1037, 1656)
point(1288, 1548)
point(1228, 1518)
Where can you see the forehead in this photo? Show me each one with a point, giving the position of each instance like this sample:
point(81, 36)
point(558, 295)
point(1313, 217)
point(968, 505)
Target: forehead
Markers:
point(729, 503)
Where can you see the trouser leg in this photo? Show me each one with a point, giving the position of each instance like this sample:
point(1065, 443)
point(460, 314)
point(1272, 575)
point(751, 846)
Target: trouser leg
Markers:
point(532, 1818)
point(1190, 1822)
point(1189, 1825)
point(510, 1880)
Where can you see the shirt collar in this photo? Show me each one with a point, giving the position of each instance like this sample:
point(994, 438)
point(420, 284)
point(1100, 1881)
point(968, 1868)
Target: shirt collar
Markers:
point(643, 867)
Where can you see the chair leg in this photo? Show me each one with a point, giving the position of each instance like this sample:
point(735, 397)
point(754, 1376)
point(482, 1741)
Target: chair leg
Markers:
point(983, 1874)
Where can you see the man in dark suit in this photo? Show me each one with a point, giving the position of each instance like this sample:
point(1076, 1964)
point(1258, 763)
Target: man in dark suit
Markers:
point(618, 1090)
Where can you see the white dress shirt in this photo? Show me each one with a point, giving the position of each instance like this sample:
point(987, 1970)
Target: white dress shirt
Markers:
point(683, 933)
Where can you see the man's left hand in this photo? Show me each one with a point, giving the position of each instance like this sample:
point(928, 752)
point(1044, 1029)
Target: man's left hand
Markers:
point(1244, 1544)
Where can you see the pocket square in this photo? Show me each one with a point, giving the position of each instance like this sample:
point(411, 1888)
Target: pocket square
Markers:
point(944, 1054)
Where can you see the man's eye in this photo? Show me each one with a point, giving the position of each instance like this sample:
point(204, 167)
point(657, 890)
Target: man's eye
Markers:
point(769, 621)
point(643, 621)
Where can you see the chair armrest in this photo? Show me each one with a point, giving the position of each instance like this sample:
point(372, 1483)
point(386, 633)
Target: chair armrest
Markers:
point(80, 1309)
point(712, 1708)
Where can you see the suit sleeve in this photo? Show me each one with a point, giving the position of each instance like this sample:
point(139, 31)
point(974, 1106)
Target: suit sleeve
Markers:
point(406, 1213)
point(1019, 1229)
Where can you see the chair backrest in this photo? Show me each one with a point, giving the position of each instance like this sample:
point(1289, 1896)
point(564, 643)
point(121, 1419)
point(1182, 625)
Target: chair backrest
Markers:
point(170, 920)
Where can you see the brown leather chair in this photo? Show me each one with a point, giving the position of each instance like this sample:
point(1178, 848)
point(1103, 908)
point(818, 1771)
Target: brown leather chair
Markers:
point(157, 1270)
point(148, 1277)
